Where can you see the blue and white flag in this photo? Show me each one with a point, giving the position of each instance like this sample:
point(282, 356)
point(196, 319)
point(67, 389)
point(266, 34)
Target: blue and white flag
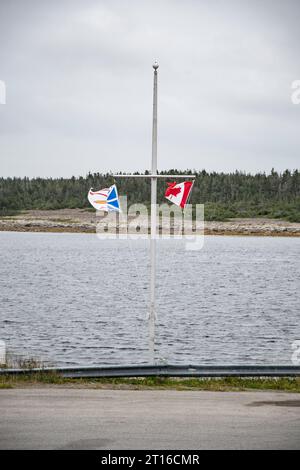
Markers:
point(106, 199)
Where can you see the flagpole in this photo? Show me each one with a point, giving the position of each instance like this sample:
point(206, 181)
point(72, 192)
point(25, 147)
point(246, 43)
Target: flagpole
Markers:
point(152, 314)
point(153, 176)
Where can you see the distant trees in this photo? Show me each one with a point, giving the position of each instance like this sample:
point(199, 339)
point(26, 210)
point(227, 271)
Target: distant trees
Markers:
point(224, 194)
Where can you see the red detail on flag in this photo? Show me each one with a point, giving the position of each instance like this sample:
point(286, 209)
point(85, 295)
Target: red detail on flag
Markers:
point(172, 190)
point(98, 192)
point(187, 188)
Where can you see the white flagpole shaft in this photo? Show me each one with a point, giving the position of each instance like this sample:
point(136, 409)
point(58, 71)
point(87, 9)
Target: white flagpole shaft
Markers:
point(153, 223)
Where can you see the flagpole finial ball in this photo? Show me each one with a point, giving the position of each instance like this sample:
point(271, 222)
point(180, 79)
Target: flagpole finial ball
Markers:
point(155, 65)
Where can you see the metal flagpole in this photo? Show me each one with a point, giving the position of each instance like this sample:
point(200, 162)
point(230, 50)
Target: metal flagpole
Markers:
point(152, 314)
point(153, 176)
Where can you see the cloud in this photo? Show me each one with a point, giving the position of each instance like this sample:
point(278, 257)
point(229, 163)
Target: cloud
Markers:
point(79, 85)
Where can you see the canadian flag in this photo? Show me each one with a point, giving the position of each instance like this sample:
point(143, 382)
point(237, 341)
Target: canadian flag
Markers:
point(178, 193)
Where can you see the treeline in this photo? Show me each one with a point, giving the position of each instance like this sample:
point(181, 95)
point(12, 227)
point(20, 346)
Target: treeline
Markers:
point(225, 194)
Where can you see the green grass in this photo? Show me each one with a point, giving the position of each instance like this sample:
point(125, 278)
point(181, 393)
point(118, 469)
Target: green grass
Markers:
point(66, 221)
point(159, 383)
point(5, 385)
point(218, 211)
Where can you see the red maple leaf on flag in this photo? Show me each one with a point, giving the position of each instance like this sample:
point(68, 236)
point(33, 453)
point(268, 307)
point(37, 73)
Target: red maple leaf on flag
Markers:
point(172, 190)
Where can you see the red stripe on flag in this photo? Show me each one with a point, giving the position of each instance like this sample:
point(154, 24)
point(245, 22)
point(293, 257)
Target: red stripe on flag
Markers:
point(187, 189)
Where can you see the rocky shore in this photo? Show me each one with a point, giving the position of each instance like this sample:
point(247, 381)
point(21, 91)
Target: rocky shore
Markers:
point(80, 220)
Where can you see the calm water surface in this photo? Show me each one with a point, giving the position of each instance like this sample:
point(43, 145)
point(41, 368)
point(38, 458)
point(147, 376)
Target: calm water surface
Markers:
point(71, 299)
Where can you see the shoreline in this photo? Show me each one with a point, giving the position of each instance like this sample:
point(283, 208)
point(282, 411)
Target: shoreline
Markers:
point(218, 233)
point(84, 221)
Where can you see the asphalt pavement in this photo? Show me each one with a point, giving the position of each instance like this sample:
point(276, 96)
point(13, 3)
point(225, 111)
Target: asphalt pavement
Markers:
point(72, 418)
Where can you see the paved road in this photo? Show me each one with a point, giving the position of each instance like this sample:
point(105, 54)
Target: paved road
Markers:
point(62, 418)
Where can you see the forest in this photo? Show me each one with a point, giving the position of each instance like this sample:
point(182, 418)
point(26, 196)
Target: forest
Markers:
point(225, 195)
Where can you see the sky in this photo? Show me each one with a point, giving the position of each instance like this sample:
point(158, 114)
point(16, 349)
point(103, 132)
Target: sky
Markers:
point(79, 83)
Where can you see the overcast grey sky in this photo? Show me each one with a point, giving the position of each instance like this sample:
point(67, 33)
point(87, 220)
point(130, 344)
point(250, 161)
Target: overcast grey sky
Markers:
point(79, 85)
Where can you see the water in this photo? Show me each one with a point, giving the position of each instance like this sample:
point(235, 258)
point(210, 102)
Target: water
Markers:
point(70, 299)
